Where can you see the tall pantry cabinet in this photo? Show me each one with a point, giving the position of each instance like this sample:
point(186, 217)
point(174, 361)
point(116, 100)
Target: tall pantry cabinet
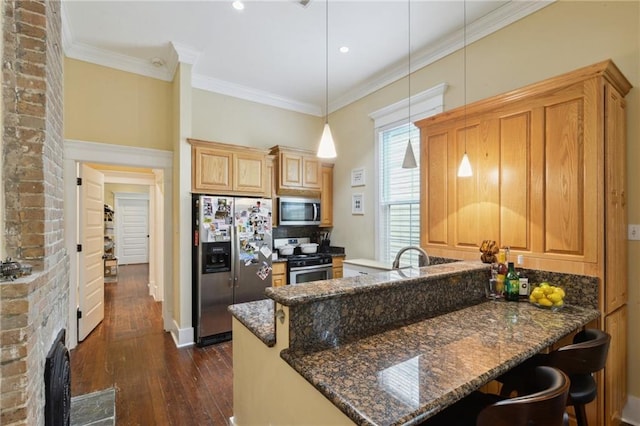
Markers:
point(549, 181)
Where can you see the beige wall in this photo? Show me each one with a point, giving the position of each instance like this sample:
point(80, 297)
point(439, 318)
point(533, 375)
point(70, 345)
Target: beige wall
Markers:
point(106, 105)
point(225, 119)
point(559, 38)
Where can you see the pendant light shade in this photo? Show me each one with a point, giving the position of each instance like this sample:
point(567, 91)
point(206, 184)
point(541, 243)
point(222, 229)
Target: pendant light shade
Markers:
point(327, 149)
point(409, 161)
point(465, 167)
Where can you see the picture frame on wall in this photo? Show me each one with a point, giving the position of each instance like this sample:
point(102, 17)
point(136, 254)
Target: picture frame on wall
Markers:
point(357, 204)
point(358, 177)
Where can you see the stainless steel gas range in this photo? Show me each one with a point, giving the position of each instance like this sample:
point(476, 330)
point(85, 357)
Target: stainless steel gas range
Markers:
point(304, 268)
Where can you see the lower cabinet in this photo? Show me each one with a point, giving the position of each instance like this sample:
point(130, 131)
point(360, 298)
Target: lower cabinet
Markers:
point(279, 274)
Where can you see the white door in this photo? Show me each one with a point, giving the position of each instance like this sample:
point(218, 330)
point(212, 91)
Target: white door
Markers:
point(132, 238)
point(91, 267)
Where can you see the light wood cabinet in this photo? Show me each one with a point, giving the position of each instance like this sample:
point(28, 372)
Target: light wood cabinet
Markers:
point(326, 196)
point(338, 268)
point(297, 170)
point(549, 181)
point(279, 274)
point(228, 169)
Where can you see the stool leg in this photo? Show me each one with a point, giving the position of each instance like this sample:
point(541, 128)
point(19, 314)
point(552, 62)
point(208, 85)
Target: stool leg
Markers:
point(581, 414)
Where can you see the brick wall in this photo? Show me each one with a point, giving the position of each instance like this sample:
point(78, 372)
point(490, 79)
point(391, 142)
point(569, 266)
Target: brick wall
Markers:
point(32, 309)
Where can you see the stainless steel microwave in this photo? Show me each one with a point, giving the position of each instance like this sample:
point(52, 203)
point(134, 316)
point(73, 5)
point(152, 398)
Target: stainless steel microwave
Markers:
point(298, 211)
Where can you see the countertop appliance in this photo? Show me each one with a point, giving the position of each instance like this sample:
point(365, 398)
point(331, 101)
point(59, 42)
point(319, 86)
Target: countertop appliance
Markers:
point(303, 268)
point(298, 211)
point(231, 260)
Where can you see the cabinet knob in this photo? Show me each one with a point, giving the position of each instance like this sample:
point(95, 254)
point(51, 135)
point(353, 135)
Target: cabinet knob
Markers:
point(614, 197)
point(623, 199)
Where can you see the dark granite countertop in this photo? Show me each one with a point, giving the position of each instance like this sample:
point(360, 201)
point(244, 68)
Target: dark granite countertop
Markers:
point(258, 317)
point(405, 375)
point(292, 295)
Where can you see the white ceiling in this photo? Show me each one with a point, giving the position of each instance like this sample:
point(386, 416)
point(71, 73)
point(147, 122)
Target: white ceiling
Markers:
point(273, 52)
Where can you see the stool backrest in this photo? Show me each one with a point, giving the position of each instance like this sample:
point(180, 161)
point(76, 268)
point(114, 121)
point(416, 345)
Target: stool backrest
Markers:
point(546, 407)
point(586, 355)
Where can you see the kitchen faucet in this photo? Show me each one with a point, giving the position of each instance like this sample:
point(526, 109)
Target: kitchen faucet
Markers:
point(423, 260)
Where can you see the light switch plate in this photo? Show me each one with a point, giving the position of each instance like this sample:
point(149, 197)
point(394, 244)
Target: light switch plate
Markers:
point(634, 232)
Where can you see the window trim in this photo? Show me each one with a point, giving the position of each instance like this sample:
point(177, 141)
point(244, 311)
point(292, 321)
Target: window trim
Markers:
point(424, 104)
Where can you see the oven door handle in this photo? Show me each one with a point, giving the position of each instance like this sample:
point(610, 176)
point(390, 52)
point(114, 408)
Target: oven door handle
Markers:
point(312, 267)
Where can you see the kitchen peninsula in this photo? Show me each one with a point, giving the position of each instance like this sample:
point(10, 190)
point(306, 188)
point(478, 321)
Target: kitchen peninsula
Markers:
point(391, 348)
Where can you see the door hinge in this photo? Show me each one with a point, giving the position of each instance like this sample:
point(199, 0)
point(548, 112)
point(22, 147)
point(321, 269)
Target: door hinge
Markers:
point(79, 181)
point(79, 314)
point(79, 248)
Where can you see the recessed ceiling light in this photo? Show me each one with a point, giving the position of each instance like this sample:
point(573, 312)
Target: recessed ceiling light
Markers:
point(344, 49)
point(238, 5)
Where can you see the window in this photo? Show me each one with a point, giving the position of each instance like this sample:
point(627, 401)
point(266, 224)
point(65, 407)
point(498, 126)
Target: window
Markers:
point(398, 189)
point(399, 194)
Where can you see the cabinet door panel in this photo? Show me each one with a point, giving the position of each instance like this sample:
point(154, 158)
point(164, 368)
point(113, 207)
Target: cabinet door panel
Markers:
point(311, 168)
point(213, 168)
point(291, 170)
point(615, 371)
point(615, 201)
point(436, 189)
point(249, 173)
point(515, 147)
point(467, 190)
point(564, 178)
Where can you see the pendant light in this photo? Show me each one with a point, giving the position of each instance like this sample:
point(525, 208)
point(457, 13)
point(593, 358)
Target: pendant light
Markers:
point(409, 161)
point(465, 165)
point(327, 149)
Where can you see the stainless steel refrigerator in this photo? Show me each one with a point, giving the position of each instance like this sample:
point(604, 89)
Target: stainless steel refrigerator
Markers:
point(231, 260)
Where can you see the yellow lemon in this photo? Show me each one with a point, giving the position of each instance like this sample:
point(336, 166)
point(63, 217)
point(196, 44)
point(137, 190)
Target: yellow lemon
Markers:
point(544, 284)
point(555, 297)
point(545, 302)
point(537, 293)
point(532, 299)
point(558, 303)
point(560, 291)
point(547, 290)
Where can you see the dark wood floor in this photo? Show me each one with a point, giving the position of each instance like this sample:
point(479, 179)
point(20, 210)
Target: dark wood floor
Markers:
point(156, 383)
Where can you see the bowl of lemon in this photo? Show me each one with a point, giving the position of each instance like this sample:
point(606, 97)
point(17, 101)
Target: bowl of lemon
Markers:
point(547, 296)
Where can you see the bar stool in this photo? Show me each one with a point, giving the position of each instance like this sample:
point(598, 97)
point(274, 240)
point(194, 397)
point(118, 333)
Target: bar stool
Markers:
point(544, 407)
point(587, 355)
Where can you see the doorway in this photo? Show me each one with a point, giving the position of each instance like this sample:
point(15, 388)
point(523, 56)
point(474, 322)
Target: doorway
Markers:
point(115, 162)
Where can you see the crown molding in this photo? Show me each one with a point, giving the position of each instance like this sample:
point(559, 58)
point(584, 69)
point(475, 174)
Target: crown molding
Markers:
point(120, 62)
point(488, 24)
point(177, 52)
point(222, 87)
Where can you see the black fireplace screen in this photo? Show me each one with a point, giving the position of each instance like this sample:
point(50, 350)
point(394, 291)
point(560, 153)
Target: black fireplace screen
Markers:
point(57, 379)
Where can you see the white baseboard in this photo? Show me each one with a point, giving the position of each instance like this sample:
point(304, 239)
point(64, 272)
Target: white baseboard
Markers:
point(631, 412)
point(182, 337)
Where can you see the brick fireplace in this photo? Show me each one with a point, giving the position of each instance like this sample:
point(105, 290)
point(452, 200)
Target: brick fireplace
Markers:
point(33, 309)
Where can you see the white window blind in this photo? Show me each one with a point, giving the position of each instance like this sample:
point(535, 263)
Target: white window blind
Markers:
point(398, 189)
point(399, 215)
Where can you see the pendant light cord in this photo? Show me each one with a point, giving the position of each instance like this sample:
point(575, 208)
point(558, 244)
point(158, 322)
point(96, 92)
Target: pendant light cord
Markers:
point(326, 73)
point(464, 56)
point(409, 58)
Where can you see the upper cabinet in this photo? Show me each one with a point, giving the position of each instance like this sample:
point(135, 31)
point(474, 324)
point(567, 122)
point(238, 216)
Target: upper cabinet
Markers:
point(229, 169)
point(297, 170)
point(538, 159)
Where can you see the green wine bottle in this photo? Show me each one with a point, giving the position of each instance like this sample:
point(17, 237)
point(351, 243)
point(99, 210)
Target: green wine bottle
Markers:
point(512, 284)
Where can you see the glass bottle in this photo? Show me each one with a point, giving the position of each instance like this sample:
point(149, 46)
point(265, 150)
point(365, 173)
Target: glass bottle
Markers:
point(512, 284)
point(501, 272)
point(524, 280)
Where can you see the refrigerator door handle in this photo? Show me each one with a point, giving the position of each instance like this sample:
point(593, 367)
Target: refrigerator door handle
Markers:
point(236, 254)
